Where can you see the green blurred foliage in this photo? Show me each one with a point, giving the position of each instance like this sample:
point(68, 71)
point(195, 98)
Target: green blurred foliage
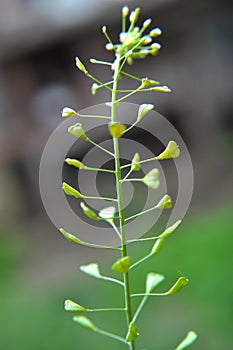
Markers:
point(200, 250)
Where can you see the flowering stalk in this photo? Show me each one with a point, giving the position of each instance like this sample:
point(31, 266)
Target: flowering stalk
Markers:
point(134, 44)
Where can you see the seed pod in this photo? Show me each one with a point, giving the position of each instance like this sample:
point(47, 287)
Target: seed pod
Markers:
point(143, 110)
point(171, 151)
point(132, 333)
point(69, 112)
point(122, 265)
point(152, 179)
point(88, 212)
point(71, 191)
point(165, 202)
point(85, 323)
point(76, 163)
point(116, 129)
point(135, 166)
point(70, 305)
point(77, 131)
point(80, 65)
point(180, 284)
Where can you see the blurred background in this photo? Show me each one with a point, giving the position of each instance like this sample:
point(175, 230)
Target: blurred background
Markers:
point(38, 268)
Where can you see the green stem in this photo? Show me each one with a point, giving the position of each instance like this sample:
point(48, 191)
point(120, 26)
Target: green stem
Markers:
point(128, 95)
point(120, 196)
point(98, 169)
point(140, 213)
point(98, 146)
point(93, 116)
point(100, 198)
point(139, 309)
point(109, 309)
point(127, 175)
point(111, 335)
point(140, 162)
point(131, 76)
point(140, 261)
point(132, 180)
point(98, 81)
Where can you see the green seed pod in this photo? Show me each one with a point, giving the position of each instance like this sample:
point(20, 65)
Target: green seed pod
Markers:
point(74, 307)
point(171, 151)
point(122, 265)
point(116, 129)
point(80, 65)
point(165, 202)
point(70, 191)
point(91, 270)
point(143, 110)
point(71, 238)
point(152, 179)
point(135, 166)
point(188, 340)
point(169, 230)
point(77, 131)
point(161, 89)
point(157, 246)
point(107, 213)
point(132, 333)
point(180, 284)
point(152, 281)
point(85, 323)
point(76, 163)
point(88, 212)
point(69, 112)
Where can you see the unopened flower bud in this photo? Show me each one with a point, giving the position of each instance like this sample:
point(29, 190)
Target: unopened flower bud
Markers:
point(134, 15)
point(109, 46)
point(146, 23)
point(146, 40)
point(104, 29)
point(125, 11)
point(155, 32)
point(130, 60)
point(155, 47)
point(95, 87)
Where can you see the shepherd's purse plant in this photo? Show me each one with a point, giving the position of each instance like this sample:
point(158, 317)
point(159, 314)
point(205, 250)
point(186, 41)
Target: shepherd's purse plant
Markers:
point(134, 43)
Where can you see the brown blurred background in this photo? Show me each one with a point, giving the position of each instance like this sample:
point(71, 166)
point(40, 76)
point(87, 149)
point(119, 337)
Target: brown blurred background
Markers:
point(38, 43)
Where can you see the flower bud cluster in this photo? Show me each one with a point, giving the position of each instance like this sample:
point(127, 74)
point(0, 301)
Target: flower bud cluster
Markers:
point(133, 42)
